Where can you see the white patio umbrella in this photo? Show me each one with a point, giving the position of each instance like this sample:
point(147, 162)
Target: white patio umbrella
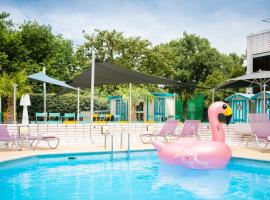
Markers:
point(25, 102)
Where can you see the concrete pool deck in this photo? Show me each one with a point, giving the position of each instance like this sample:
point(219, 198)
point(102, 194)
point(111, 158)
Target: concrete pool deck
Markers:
point(6, 155)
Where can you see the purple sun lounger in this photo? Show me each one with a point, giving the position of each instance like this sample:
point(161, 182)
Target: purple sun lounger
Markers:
point(9, 139)
point(167, 129)
point(190, 129)
point(260, 127)
point(34, 140)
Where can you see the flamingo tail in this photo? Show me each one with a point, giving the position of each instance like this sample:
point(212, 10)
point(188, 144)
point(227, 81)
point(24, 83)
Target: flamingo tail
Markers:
point(158, 145)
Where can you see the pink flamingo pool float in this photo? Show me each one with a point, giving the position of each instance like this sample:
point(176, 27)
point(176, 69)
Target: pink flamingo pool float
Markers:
point(195, 154)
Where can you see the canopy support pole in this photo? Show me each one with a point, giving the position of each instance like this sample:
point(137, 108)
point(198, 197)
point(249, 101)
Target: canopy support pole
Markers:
point(264, 98)
point(213, 95)
point(130, 103)
point(14, 103)
point(174, 99)
point(92, 85)
point(44, 95)
point(78, 104)
point(1, 110)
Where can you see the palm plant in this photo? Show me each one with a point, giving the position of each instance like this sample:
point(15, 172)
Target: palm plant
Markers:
point(138, 94)
point(7, 82)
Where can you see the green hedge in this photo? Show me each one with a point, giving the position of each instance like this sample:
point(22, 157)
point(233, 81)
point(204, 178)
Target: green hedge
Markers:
point(65, 103)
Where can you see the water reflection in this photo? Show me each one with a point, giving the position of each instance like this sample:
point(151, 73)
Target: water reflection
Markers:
point(202, 183)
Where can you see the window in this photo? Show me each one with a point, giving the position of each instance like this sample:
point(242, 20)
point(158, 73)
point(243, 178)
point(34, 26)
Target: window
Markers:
point(261, 63)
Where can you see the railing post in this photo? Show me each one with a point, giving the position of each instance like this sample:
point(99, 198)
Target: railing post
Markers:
point(105, 141)
point(112, 144)
point(14, 104)
point(128, 143)
point(121, 139)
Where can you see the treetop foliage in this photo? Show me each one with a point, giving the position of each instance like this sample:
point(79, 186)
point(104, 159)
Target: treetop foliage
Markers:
point(189, 58)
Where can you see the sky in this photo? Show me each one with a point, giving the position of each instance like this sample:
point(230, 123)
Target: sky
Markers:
point(225, 23)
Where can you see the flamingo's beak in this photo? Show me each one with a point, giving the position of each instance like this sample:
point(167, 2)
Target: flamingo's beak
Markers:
point(228, 114)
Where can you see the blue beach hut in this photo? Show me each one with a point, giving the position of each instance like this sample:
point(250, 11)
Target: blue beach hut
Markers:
point(159, 109)
point(258, 99)
point(241, 105)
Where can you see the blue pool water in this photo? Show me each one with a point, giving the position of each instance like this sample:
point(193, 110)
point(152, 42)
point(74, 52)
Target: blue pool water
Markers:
point(140, 175)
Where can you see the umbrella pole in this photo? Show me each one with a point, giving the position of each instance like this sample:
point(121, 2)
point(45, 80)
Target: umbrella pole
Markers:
point(44, 95)
point(0, 110)
point(174, 100)
point(14, 103)
point(78, 104)
point(130, 103)
point(264, 90)
point(92, 85)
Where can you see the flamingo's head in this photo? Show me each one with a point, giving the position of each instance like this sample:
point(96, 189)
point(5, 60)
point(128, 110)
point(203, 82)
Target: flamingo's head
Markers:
point(221, 107)
point(227, 112)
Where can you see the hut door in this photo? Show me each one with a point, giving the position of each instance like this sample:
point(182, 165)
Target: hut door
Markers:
point(159, 109)
point(239, 111)
point(267, 104)
point(122, 109)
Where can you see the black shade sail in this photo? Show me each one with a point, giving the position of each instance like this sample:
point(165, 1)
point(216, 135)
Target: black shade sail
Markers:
point(256, 79)
point(106, 73)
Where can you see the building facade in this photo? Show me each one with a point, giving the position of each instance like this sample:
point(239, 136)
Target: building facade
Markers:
point(258, 51)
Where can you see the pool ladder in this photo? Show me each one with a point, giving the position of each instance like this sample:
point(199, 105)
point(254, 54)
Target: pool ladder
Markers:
point(121, 143)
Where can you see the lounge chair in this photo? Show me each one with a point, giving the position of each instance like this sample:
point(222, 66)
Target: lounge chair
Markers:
point(95, 117)
point(108, 117)
point(85, 117)
point(9, 139)
point(102, 117)
point(260, 126)
point(69, 118)
point(54, 118)
point(167, 129)
point(41, 118)
point(81, 118)
point(243, 130)
point(190, 129)
point(34, 140)
point(117, 117)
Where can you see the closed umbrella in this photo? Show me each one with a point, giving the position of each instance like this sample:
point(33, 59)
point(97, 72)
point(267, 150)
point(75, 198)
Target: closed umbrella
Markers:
point(25, 102)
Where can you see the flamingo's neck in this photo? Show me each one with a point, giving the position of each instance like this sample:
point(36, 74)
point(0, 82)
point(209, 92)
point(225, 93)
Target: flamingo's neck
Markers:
point(217, 130)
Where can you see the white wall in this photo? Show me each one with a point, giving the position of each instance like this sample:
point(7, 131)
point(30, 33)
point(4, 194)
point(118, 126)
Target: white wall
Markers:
point(169, 107)
point(113, 107)
point(150, 108)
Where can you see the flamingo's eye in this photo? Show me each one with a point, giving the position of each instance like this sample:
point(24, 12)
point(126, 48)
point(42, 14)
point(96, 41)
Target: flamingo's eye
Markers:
point(224, 106)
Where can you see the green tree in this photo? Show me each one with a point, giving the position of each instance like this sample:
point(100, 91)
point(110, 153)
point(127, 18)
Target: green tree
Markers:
point(113, 47)
point(31, 46)
point(231, 67)
point(44, 49)
point(7, 82)
point(196, 58)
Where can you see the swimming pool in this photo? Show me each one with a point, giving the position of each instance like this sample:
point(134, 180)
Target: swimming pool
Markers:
point(138, 175)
